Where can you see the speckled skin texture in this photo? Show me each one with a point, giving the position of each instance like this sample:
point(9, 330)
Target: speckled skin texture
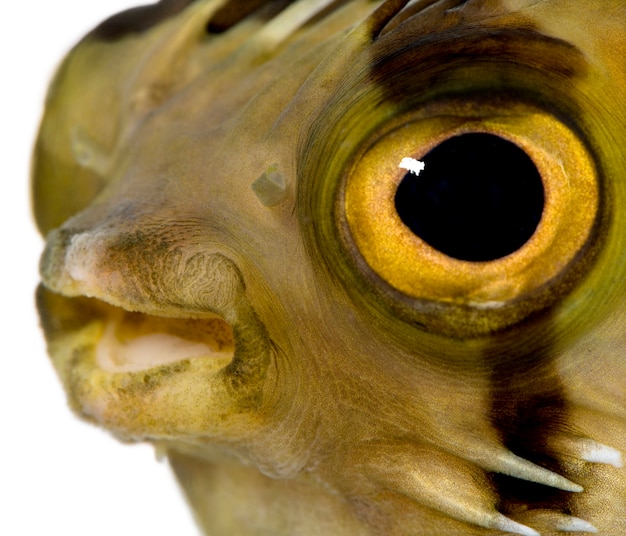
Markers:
point(226, 277)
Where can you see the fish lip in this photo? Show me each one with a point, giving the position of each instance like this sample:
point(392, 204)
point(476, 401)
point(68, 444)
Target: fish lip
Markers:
point(142, 271)
point(115, 348)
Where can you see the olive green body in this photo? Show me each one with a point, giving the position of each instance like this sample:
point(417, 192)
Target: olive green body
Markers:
point(225, 275)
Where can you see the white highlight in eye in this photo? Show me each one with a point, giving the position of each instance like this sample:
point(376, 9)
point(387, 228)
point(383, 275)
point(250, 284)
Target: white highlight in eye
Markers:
point(412, 165)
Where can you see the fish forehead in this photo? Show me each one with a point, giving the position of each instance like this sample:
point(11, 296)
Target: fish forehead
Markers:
point(239, 112)
point(231, 110)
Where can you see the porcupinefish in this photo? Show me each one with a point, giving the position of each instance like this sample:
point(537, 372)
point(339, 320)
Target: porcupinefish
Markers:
point(355, 267)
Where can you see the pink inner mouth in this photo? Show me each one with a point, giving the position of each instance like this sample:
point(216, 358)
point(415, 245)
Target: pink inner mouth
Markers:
point(133, 341)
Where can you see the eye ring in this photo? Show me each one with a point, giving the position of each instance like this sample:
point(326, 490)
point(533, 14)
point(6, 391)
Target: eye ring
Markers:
point(390, 251)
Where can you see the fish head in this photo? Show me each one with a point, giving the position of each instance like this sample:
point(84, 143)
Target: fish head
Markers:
point(354, 267)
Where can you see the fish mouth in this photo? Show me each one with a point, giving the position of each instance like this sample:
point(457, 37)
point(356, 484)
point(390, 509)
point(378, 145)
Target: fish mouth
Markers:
point(148, 340)
point(123, 341)
point(132, 342)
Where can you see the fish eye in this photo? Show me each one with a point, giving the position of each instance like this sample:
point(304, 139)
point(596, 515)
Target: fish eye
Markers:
point(481, 214)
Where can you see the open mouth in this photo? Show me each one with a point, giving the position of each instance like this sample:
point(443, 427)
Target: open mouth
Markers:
point(131, 341)
point(136, 341)
point(147, 341)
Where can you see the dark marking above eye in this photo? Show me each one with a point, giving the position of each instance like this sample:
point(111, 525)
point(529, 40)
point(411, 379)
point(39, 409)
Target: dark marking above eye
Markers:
point(472, 57)
point(479, 198)
point(138, 19)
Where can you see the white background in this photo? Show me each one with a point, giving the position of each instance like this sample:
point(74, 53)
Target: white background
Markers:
point(58, 476)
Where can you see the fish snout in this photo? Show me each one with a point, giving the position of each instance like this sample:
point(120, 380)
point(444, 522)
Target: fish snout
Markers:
point(152, 339)
point(141, 269)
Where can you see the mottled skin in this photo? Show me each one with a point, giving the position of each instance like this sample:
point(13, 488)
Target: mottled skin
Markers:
point(195, 185)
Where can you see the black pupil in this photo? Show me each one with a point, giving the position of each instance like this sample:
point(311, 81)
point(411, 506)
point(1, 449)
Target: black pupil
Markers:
point(478, 198)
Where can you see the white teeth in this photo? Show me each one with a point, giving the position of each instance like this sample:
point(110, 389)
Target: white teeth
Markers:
point(508, 525)
point(598, 453)
point(147, 351)
point(575, 524)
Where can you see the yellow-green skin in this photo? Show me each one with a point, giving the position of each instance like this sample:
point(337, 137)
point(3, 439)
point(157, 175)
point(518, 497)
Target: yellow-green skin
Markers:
point(192, 183)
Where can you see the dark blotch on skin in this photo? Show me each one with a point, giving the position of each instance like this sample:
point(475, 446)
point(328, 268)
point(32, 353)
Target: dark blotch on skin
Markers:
point(138, 19)
point(513, 61)
point(234, 12)
point(528, 406)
